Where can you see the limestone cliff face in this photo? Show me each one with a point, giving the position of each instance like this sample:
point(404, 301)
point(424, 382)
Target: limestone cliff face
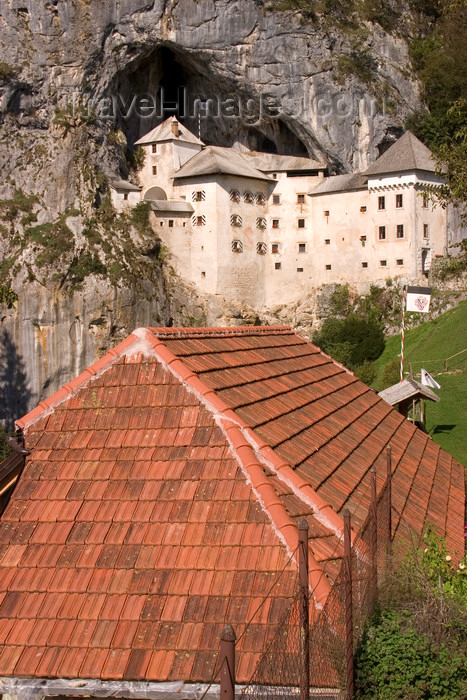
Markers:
point(72, 77)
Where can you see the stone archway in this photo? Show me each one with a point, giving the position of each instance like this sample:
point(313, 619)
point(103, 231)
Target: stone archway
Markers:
point(155, 193)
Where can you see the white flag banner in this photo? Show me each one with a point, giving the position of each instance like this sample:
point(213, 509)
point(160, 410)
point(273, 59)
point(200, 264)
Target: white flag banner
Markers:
point(428, 380)
point(418, 299)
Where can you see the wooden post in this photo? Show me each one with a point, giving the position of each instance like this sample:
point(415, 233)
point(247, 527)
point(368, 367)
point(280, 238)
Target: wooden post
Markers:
point(227, 664)
point(348, 607)
point(304, 609)
point(389, 496)
point(374, 538)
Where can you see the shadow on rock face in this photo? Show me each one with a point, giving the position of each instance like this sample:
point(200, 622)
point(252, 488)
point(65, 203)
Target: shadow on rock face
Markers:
point(14, 392)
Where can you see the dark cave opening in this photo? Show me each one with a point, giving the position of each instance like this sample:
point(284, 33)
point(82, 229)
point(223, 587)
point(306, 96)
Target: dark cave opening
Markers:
point(166, 82)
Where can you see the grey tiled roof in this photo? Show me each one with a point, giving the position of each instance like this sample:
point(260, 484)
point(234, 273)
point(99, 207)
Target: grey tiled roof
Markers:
point(408, 153)
point(164, 132)
point(340, 183)
point(214, 160)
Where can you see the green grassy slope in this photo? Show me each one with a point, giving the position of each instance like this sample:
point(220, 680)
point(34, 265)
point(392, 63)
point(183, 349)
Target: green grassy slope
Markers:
point(429, 345)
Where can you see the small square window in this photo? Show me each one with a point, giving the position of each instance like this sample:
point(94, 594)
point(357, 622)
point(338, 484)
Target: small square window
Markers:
point(203, 274)
point(399, 200)
point(327, 241)
point(274, 247)
point(300, 199)
point(364, 264)
point(274, 176)
point(363, 209)
point(154, 169)
point(400, 261)
point(326, 213)
point(162, 223)
point(328, 267)
point(276, 199)
point(400, 231)
point(171, 223)
point(275, 223)
point(381, 203)
point(382, 233)
point(302, 247)
point(301, 223)
point(425, 230)
point(299, 269)
point(277, 266)
point(154, 148)
point(383, 263)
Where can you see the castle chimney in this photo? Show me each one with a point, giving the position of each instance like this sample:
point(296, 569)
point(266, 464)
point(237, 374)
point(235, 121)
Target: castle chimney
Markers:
point(175, 130)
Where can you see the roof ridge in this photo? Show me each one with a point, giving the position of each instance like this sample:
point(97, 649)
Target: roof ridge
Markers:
point(220, 331)
point(78, 382)
point(239, 436)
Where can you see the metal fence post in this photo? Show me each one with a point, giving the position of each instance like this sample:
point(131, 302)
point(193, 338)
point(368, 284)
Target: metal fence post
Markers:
point(389, 488)
point(374, 539)
point(304, 609)
point(348, 607)
point(227, 664)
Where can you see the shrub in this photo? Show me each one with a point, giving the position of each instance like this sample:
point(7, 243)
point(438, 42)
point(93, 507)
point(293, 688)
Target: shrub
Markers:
point(56, 240)
point(352, 340)
point(366, 372)
point(7, 296)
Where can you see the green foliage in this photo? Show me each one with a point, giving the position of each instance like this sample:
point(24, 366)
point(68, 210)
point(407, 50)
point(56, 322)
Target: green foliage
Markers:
point(135, 158)
point(6, 71)
point(56, 240)
point(395, 661)
point(85, 264)
point(140, 217)
point(339, 300)
point(20, 202)
point(7, 296)
point(5, 448)
point(351, 340)
point(449, 267)
point(366, 372)
point(391, 373)
point(358, 63)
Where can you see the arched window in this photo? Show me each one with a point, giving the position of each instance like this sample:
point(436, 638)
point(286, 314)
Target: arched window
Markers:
point(237, 246)
point(235, 196)
point(248, 198)
point(260, 199)
point(261, 248)
point(155, 193)
point(235, 220)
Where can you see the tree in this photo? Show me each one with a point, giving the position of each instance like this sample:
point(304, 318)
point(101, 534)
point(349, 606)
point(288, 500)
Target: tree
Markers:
point(352, 340)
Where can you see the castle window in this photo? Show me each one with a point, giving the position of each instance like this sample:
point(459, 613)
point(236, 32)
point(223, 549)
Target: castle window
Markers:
point(300, 199)
point(261, 248)
point(235, 196)
point(260, 199)
point(302, 247)
point(248, 198)
point(275, 223)
point(326, 213)
point(203, 274)
point(199, 196)
point(301, 223)
point(276, 199)
point(425, 230)
point(381, 203)
point(125, 196)
point(328, 267)
point(299, 269)
point(399, 200)
point(154, 148)
point(327, 241)
point(274, 176)
point(235, 220)
point(364, 264)
point(400, 261)
point(400, 231)
point(237, 246)
point(278, 266)
point(382, 233)
point(171, 223)
point(198, 220)
point(274, 247)
point(363, 209)
point(261, 222)
point(425, 200)
point(154, 169)
point(383, 263)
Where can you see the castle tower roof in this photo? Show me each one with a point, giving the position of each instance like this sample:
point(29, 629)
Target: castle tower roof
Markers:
point(170, 130)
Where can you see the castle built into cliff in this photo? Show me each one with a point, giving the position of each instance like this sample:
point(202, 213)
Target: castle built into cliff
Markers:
point(268, 229)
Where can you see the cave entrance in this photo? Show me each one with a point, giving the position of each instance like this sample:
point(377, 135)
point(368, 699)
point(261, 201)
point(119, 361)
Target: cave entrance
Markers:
point(178, 84)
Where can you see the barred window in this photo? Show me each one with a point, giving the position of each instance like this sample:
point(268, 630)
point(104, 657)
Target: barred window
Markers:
point(399, 201)
point(235, 196)
point(400, 231)
point(199, 196)
point(300, 199)
point(382, 233)
point(399, 261)
point(260, 199)
point(276, 199)
point(237, 246)
point(261, 248)
point(248, 198)
point(261, 222)
point(235, 220)
point(198, 220)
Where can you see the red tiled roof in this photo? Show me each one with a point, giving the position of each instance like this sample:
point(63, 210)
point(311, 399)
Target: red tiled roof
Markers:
point(161, 497)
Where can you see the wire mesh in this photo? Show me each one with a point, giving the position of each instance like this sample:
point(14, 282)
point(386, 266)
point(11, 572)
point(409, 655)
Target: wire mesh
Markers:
point(279, 669)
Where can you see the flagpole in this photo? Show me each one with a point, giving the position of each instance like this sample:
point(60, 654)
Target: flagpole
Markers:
point(403, 331)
